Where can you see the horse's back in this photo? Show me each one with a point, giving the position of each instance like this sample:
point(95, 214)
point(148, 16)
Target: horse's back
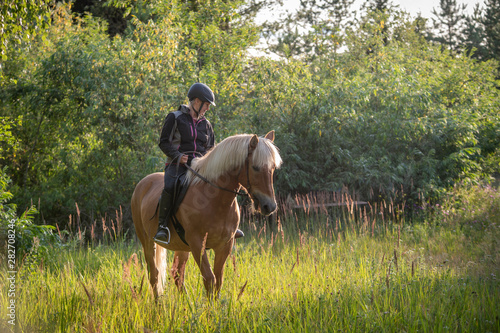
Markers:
point(149, 183)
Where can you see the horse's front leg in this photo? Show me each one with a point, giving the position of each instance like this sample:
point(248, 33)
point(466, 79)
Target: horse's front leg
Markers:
point(220, 262)
point(179, 268)
point(201, 258)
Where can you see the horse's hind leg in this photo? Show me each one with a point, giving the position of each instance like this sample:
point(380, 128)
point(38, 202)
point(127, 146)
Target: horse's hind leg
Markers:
point(150, 254)
point(179, 268)
point(149, 250)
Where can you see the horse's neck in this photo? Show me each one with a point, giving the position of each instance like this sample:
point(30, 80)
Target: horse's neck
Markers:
point(231, 181)
point(226, 186)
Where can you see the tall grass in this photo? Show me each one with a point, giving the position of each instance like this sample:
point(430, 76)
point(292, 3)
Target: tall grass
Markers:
point(318, 268)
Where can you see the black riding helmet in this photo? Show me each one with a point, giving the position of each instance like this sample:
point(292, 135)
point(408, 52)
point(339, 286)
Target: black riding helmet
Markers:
point(202, 92)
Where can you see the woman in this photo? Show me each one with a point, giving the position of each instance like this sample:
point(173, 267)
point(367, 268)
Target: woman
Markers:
point(186, 134)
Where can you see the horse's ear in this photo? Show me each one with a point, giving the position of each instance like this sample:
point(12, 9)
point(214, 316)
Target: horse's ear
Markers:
point(254, 141)
point(270, 135)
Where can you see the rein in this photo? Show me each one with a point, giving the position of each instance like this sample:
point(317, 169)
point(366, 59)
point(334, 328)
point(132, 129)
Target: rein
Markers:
point(245, 194)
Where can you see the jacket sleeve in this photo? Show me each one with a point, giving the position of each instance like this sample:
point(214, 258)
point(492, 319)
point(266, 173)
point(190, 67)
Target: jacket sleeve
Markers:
point(167, 133)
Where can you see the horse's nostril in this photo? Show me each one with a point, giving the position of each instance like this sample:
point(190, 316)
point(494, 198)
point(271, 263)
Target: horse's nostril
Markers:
point(268, 208)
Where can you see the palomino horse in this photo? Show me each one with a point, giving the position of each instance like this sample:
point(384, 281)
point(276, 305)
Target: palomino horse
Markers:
point(209, 212)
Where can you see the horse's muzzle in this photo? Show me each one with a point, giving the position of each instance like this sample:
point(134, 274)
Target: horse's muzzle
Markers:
point(266, 204)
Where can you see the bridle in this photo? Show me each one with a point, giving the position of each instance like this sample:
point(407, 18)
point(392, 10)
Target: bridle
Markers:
point(239, 192)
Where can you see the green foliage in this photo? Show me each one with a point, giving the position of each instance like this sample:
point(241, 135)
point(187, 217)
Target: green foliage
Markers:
point(32, 239)
point(65, 98)
point(116, 17)
point(8, 144)
point(95, 105)
point(316, 29)
point(20, 20)
point(477, 207)
point(403, 114)
point(475, 35)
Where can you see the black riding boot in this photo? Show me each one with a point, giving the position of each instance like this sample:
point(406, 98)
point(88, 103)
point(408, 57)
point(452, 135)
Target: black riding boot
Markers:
point(238, 234)
point(163, 234)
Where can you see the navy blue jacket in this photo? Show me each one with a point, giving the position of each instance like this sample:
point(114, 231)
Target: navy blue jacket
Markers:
point(181, 134)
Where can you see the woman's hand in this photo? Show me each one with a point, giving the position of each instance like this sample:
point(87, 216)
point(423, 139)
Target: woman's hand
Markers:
point(183, 159)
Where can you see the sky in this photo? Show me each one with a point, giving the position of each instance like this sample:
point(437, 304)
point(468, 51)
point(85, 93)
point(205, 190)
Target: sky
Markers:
point(412, 6)
point(425, 6)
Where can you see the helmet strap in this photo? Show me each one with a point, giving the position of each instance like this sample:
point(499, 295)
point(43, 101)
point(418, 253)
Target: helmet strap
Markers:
point(199, 109)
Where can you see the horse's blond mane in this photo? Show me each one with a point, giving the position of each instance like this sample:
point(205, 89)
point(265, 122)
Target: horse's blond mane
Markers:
point(231, 154)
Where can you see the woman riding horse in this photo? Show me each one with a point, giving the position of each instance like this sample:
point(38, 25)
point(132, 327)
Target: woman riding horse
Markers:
point(209, 213)
point(186, 134)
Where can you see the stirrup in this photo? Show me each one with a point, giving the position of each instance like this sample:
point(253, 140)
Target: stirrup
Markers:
point(159, 241)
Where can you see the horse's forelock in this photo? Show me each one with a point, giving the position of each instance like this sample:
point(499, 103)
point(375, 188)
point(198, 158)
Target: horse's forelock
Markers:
point(266, 154)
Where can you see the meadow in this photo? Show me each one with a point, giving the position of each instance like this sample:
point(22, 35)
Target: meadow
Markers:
point(318, 268)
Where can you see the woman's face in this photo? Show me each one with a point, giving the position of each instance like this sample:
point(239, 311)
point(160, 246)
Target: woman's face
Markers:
point(204, 108)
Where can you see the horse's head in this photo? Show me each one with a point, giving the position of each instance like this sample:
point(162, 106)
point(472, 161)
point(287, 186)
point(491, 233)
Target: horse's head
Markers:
point(252, 160)
point(263, 159)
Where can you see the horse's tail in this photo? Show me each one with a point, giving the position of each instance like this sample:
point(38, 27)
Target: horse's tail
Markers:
point(161, 266)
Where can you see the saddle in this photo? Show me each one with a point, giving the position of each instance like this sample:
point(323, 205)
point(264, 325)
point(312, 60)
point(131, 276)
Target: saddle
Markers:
point(180, 189)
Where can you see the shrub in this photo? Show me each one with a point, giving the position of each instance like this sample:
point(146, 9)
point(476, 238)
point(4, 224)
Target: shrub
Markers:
point(30, 239)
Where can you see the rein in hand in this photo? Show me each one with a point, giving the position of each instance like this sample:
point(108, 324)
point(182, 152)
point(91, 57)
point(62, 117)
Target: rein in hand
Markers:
point(239, 192)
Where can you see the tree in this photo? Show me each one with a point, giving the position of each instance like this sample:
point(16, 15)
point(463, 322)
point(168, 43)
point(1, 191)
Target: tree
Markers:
point(326, 18)
point(91, 103)
point(448, 23)
point(85, 110)
point(316, 28)
point(491, 23)
point(474, 38)
point(114, 16)
point(408, 115)
point(95, 104)
point(20, 20)
point(377, 15)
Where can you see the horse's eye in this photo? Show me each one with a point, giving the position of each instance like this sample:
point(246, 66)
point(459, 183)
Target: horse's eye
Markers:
point(255, 168)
